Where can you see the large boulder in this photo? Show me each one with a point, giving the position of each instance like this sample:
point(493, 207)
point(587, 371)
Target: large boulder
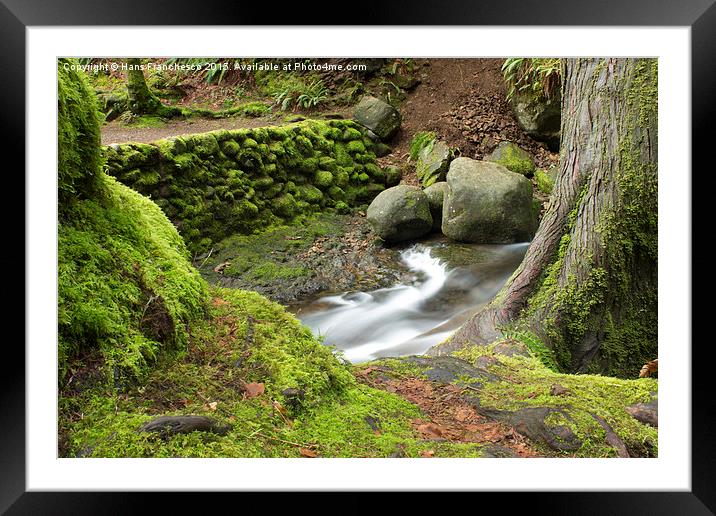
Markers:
point(400, 213)
point(513, 158)
point(378, 116)
point(436, 195)
point(486, 203)
point(433, 163)
point(538, 117)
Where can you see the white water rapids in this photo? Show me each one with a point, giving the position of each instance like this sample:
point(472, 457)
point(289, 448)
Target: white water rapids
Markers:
point(408, 319)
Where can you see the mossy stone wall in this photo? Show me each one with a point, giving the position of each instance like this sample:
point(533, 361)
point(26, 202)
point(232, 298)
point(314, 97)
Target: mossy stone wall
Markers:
point(215, 184)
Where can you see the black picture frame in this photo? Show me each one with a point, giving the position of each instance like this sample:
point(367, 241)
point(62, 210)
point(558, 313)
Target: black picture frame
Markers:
point(17, 15)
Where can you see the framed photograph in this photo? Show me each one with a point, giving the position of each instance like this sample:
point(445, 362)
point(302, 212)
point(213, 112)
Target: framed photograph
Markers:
point(358, 257)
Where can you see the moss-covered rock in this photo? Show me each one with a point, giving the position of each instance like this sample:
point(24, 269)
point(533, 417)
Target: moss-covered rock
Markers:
point(513, 158)
point(400, 213)
point(545, 179)
point(378, 116)
point(433, 162)
point(486, 203)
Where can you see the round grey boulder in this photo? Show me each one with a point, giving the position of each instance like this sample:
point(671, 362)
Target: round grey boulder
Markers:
point(378, 116)
point(400, 213)
point(436, 194)
point(486, 203)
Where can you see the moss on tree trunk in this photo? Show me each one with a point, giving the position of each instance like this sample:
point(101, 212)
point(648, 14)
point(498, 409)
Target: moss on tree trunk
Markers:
point(141, 99)
point(588, 283)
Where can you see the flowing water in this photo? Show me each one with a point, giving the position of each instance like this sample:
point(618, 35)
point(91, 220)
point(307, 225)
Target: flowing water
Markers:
point(447, 283)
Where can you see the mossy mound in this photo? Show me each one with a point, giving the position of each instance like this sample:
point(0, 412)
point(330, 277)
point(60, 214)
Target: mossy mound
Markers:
point(241, 181)
point(126, 291)
point(126, 288)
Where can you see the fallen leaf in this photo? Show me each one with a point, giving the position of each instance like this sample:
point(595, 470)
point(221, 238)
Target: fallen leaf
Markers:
point(463, 414)
point(251, 390)
point(649, 368)
point(220, 268)
point(427, 453)
point(306, 452)
point(212, 405)
point(431, 430)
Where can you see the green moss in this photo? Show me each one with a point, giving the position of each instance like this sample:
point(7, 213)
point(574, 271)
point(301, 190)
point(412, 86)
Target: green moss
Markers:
point(513, 158)
point(230, 148)
point(351, 134)
point(78, 133)
point(125, 286)
point(355, 146)
point(323, 179)
point(545, 182)
point(530, 383)
point(310, 194)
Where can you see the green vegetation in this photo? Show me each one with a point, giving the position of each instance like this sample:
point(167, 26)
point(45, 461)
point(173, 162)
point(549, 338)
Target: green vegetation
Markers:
point(78, 135)
point(302, 95)
point(570, 306)
point(421, 140)
point(125, 289)
point(545, 182)
point(248, 339)
point(526, 382)
point(539, 76)
point(125, 286)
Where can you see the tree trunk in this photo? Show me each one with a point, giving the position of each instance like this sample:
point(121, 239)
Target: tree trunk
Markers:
point(141, 99)
point(587, 287)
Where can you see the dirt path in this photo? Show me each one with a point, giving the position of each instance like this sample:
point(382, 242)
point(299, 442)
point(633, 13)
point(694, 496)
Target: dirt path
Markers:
point(116, 132)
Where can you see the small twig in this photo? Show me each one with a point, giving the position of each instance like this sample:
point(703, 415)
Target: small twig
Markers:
point(207, 257)
point(146, 307)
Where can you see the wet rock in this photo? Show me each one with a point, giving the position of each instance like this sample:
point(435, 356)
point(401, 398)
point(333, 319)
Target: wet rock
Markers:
point(433, 163)
point(530, 422)
point(538, 117)
point(400, 213)
point(486, 203)
point(513, 158)
point(447, 369)
point(378, 116)
point(172, 425)
point(495, 451)
point(436, 195)
point(647, 413)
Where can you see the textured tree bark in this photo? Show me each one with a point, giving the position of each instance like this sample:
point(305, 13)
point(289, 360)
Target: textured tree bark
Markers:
point(587, 286)
point(141, 100)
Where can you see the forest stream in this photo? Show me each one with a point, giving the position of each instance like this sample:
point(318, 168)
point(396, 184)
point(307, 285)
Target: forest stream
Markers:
point(448, 283)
